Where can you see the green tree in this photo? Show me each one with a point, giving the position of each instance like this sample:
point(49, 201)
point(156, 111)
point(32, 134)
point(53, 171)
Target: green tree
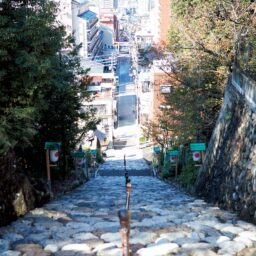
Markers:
point(42, 94)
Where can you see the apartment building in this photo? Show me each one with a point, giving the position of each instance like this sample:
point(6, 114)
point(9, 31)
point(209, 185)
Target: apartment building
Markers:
point(145, 94)
point(163, 82)
point(64, 16)
point(86, 29)
point(109, 26)
point(161, 17)
point(144, 38)
point(107, 4)
point(144, 6)
point(102, 87)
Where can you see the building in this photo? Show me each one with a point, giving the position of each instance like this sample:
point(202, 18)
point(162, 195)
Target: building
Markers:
point(86, 29)
point(144, 6)
point(145, 95)
point(161, 18)
point(144, 38)
point(123, 3)
point(106, 4)
point(64, 16)
point(102, 86)
point(163, 81)
point(115, 2)
point(109, 26)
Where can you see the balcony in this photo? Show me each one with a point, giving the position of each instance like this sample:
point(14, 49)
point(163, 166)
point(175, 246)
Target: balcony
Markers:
point(92, 34)
point(91, 24)
point(95, 43)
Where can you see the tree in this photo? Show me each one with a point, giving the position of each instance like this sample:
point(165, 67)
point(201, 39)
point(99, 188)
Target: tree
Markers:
point(42, 92)
point(204, 37)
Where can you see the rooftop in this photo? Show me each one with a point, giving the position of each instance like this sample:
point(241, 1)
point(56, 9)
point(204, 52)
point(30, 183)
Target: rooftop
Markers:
point(88, 15)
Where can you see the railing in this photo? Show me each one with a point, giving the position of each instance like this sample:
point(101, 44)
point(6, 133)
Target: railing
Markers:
point(92, 33)
point(92, 23)
point(125, 216)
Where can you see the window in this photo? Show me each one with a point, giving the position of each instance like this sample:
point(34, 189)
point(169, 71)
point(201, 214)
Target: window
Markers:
point(162, 107)
point(101, 109)
point(165, 88)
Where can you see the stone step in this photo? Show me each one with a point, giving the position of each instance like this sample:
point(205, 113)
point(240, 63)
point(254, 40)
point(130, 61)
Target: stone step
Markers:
point(131, 172)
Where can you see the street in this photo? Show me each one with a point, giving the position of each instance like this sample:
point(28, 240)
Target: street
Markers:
point(126, 131)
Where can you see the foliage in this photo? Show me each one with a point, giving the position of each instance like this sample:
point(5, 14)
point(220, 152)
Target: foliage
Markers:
point(142, 140)
point(146, 55)
point(165, 174)
point(204, 37)
point(41, 95)
point(158, 130)
point(99, 158)
point(188, 174)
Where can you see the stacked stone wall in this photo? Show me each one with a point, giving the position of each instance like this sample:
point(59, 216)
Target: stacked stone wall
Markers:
point(228, 175)
point(19, 193)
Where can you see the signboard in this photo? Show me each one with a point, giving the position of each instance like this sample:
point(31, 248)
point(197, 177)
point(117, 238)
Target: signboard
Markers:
point(196, 156)
point(78, 154)
point(156, 149)
point(197, 146)
point(52, 145)
point(173, 152)
point(54, 155)
point(93, 151)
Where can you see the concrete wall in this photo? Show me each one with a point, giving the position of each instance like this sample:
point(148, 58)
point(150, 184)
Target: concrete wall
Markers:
point(228, 175)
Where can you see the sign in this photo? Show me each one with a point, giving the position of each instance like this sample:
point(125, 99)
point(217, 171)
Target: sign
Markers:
point(196, 156)
point(54, 155)
point(78, 154)
point(156, 149)
point(197, 146)
point(93, 151)
point(173, 152)
point(173, 159)
point(52, 145)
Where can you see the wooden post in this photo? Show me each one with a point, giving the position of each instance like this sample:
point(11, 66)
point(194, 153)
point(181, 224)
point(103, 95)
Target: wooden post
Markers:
point(124, 162)
point(203, 156)
point(124, 218)
point(176, 168)
point(48, 170)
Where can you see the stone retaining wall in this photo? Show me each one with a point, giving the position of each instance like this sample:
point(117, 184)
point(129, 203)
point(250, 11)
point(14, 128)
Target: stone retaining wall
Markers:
point(228, 175)
point(18, 192)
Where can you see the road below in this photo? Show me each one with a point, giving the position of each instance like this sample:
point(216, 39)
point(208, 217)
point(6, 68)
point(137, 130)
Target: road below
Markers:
point(126, 131)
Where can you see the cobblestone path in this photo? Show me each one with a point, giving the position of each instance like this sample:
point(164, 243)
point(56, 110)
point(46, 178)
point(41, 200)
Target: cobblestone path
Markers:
point(164, 221)
point(115, 167)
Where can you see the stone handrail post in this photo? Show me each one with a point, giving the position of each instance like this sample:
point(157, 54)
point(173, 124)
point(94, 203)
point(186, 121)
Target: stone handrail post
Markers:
point(128, 195)
point(124, 218)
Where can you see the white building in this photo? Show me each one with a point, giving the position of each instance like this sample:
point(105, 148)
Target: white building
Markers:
point(106, 4)
point(144, 38)
point(86, 29)
point(102, 86)
point(143, 7)
point(64, 16)
point(123, 3)
point(155, 21)
point(145, 95)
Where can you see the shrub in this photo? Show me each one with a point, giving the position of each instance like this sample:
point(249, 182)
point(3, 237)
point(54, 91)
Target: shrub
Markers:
point(142, 140)
point(188, 174)
point(165, 174)
point(99, 157)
